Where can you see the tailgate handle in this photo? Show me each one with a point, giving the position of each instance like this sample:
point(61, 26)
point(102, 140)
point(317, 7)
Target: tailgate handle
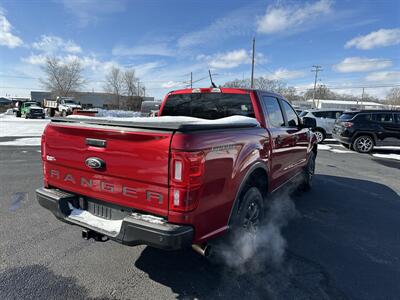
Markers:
point(96, 143)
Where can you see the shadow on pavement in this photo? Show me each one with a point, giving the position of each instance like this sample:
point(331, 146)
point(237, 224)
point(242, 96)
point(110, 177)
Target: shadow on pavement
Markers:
point(38, 282)
point(343, 244)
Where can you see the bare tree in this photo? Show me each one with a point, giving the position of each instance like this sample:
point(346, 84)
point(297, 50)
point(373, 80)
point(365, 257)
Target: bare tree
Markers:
point(393, 97)
point(62, 78)
point(131, 90)
point(125, 86)
point(115, 84)
point(266, 84)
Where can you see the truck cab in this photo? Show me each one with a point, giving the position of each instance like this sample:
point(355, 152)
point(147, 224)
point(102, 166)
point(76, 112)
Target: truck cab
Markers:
point(30, 110)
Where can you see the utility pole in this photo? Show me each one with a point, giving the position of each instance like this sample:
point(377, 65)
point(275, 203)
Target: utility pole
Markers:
point(362, 96)
point(315, 69)
point(191, 80)
point(252, 64)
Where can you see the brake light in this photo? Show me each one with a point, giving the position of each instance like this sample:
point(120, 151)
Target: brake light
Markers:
point(43, 152)
point(187, 172)
point(347, 124)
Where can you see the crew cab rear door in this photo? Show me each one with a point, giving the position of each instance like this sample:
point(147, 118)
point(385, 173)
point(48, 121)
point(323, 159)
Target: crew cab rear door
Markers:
point(282, 142)
point(122, 165)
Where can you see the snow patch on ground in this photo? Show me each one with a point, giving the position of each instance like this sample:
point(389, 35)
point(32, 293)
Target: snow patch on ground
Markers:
point(323, 147)
point(111, 226)
point(12, 126)
point(340, 151)
point(389, 155)
point(9, 112)
point(387, 147)
point(22, 142)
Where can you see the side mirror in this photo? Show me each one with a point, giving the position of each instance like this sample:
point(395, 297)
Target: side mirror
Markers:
point(308, 122)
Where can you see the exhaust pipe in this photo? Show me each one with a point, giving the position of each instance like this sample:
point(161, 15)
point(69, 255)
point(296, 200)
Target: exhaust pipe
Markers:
point(202, 250)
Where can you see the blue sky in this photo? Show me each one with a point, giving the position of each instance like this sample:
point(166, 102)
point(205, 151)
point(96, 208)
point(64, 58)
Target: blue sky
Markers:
point(356, 42)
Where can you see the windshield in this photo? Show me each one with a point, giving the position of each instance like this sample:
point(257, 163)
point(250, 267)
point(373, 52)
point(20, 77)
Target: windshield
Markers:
point(208, 106)
point(69, 102)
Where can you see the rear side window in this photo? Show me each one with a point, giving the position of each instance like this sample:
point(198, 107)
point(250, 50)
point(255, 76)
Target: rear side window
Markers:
point(363, 117)
point(320, 114)
point(347, 116)
point(293, 120)
point(397, 118)
point(208, 106)
point(383, 117)
point(335, 114)
point(274, 113)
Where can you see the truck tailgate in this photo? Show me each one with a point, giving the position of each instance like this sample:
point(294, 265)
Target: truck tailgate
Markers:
point(134, 171)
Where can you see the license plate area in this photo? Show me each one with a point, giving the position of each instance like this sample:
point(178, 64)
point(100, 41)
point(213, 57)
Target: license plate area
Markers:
point(102, 209)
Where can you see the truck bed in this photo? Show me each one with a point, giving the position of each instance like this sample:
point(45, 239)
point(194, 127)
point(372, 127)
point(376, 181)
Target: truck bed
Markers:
point(181, 124)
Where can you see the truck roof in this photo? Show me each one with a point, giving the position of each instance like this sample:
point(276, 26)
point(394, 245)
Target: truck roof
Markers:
point(222, 90)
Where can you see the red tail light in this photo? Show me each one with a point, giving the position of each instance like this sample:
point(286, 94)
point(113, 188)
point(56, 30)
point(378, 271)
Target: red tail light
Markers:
point(187, 172)
point(43, 152)
point(347, 124)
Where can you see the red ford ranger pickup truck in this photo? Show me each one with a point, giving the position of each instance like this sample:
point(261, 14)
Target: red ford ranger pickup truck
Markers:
point(172, 181)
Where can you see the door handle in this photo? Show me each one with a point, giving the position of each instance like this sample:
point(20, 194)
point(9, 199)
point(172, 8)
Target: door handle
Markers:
point(278, 140)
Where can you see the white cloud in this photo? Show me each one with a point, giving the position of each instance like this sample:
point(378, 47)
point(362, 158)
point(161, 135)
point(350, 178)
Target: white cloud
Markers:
point(359, 64)
point(282, 18)
point(52, 44)
point(375, 39)
point(172, 84)
point(228, 60)
point(7, 38)
point(156, 49)
point(91, 11)
point(384, 76)
point(144, 69)
point(236, 23)
point(285, 74)
point(33, 59)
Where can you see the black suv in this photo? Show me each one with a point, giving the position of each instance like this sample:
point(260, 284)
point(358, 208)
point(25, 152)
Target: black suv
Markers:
point(364, 129)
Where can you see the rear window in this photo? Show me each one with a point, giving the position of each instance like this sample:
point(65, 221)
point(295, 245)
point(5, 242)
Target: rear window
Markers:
point(208, 106)
point(347, 116)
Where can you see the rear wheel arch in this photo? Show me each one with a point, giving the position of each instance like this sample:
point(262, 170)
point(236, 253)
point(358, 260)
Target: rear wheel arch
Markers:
point(256, 176)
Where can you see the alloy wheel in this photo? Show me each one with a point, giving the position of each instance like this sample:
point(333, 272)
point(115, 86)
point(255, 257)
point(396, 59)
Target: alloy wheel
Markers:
point(364, 144)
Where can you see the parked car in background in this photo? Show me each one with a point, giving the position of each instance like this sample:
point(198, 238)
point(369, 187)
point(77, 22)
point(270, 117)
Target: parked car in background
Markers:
point(364, 129)
point(30, 110)
point(148, 107)
point(325, 121)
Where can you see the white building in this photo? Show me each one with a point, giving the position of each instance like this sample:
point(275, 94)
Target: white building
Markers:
point(346, 104)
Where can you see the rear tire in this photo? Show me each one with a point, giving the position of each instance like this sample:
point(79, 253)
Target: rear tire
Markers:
point(363, 144)
point(320, 135)
point(251, 210)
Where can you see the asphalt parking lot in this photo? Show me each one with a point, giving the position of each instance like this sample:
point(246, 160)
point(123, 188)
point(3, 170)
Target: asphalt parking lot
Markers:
point(344, 243)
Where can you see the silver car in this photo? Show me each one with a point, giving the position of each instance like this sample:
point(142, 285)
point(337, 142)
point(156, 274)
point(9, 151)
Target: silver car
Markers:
point(325, 121)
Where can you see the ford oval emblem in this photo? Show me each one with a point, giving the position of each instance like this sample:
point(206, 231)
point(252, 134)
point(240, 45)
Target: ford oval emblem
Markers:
point(95, 163)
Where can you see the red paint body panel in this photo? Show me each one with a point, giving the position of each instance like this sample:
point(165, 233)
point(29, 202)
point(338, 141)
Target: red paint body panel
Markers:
point(138, 170)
